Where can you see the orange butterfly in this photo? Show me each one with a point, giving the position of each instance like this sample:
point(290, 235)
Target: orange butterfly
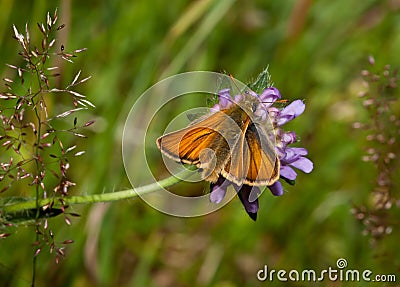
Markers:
point(233, 143)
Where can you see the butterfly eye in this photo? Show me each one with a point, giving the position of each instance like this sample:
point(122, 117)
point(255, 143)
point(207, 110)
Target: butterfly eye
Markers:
point(254, 107)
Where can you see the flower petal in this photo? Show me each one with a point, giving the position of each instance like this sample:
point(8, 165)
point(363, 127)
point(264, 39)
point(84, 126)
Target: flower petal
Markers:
point(225, 99)
point(276, 189)
point(293, 110)
point(238, 98)
point(225, 93)
point(251, 207)
point(217, 195)
point(299, 150)
point(215, 108)
point(270, 93)
point(304, 164)
point(289, 156)
point(284, 119)
point(292, 154)
point(218, 190)
point(288, 172)
point(269, 96)
point(288, 138)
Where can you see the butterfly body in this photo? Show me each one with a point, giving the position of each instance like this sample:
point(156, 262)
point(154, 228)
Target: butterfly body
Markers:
point(232, 142)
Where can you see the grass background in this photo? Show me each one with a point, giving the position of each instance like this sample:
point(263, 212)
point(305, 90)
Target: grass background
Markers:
point(315, 51)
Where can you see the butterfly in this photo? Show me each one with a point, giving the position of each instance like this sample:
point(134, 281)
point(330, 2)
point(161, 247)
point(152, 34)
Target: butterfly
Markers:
point(232, 142)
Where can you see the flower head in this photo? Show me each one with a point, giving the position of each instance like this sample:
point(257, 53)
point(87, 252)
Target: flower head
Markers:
point(290, 158)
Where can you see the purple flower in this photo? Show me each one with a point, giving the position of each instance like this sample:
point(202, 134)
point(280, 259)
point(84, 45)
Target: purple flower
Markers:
point(269, 96)
point(244, 193)
point(290, 157)
point(218, 189)
point(225, 100)
point(276, 188)
point(293, 110)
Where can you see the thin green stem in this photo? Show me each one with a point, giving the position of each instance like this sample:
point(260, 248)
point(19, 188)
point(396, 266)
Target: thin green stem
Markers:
point(95, 198)
point(37, 144)
point(38, 172)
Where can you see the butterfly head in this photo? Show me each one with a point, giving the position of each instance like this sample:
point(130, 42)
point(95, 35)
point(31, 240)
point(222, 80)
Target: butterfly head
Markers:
point(252, 105)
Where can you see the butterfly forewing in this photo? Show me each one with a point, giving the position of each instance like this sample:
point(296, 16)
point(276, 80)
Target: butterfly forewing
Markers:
point(205, 143)
point(253, 160)
point(236, 167)
point(264, 165)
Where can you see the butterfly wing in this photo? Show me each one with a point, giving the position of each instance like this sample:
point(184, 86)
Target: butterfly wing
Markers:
point(264, 165)
point(226, 143)
point(253, 160)
point(235, 168)
point(205, 143)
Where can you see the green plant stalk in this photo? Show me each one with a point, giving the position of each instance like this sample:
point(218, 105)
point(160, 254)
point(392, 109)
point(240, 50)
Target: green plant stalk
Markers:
point(38, 169)
point(96, 198)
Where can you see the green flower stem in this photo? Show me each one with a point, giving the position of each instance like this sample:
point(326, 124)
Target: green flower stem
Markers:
point(95, 198)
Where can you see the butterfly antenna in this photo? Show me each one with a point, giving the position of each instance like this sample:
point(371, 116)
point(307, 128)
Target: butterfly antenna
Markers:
point(283, 101)
point(233, 81)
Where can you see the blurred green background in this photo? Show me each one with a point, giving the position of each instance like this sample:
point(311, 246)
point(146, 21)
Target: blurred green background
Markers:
point(315, 51)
